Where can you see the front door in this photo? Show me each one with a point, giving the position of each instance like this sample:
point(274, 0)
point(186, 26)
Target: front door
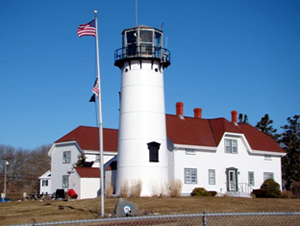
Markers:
point(232, 179)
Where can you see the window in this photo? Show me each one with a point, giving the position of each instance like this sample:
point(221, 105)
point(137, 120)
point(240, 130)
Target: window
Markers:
point(97, 158)
point(65, 181)
point(66, 157)
point(268, 157)
point(190, 151)
point(211, 176)
point(251, 178)
point(190, 176)
point(153, 151)
point(268, 175)
point(44, 183)
point(231, 146)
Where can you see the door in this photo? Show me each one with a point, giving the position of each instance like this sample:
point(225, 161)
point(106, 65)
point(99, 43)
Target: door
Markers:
point(232, 183)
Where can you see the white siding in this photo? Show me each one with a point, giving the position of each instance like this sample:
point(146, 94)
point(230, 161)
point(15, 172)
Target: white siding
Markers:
point(89, 188)
point(74, 183)
point(58, 169)
point(220, 161)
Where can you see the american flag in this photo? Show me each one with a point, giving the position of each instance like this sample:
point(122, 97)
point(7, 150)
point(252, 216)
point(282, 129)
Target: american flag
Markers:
point(96, 88)
point(88, 29)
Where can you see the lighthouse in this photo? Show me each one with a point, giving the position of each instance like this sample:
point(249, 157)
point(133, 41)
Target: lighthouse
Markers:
point(142, 142)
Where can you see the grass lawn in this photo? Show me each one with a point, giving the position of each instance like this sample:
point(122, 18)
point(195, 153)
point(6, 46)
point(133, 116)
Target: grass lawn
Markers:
point(45, 211)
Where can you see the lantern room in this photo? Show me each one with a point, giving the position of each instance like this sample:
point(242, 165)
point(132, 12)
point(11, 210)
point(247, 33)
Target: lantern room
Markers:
point(142, 42)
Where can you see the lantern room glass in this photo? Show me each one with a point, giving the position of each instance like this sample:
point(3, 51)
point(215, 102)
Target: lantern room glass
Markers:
point(142, 42)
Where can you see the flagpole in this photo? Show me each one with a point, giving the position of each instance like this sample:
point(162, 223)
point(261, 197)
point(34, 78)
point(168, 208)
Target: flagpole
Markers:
point(101, 166)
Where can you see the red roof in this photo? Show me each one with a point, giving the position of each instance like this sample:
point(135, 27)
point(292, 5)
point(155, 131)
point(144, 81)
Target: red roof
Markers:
point(258, 140)
point(88, 138)
point(89, 172)
point(187, 130)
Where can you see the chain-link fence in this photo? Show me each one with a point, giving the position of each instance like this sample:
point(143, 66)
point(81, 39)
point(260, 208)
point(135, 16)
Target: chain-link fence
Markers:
point(204, 219)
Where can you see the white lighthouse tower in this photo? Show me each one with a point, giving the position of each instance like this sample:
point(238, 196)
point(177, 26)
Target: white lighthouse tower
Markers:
point(142, 145)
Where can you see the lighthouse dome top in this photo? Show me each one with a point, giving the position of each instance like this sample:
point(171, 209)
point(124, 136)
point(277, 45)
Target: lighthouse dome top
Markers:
point(142, 42)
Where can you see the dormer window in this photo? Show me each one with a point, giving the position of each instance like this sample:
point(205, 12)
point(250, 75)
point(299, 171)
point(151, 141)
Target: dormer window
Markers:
point(231, 146)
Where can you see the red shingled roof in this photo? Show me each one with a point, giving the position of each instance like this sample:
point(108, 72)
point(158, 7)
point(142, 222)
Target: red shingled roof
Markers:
point(190, 131)
point(88, 138)
point(258, 140)
point(89, 172)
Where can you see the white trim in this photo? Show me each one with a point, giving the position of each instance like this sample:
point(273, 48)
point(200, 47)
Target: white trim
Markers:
point(249, 149)
point(196, 147)
point(45, 175)
point(278, 154)
point(97, 152)
point(66, 143)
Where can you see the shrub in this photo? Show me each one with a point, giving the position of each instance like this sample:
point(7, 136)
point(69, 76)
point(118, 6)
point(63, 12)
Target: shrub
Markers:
point(260, 193)
point(200, 192)
point(155, 189)
point(136, 188)
point(286, 194)
point(212, 193)
point(164, 189)
point(124, 189)
point(175, 188)
point(109, 190)
point(272, 188)
point(295, 188)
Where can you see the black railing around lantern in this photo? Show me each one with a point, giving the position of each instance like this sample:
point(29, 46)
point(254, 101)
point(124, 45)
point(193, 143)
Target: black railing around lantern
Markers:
point(142, 52)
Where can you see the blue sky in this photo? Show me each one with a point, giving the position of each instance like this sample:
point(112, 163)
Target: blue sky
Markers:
point(225, 55)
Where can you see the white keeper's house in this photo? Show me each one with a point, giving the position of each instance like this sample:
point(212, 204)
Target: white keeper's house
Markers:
point(155, 147)
point(217, 154)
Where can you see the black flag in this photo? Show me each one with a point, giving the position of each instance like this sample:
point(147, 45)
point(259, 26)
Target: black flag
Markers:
point(93, 98)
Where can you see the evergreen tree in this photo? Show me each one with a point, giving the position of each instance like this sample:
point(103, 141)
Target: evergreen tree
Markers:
point(243, 119)
point(290, 140)
point(265, 126)
point(81, 161)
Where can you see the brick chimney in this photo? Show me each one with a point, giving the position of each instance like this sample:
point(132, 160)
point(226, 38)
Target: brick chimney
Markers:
point(179, 109)
point(234, 116)
point(198, 112)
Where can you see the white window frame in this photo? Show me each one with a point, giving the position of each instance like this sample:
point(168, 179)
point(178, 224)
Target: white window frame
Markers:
point(66, 157)
point(97, 158)
point(231, 146)
point(212, 177)
point(190, 151)
point(268, 175)
point(190, 176)
point(44, 183)
point(251, 180)
point(268, 157)
point(65, 181)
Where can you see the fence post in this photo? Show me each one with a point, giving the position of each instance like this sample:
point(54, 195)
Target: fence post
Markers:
point(204, 219)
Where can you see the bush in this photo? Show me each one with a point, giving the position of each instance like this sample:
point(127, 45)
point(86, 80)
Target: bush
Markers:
point(295, 188)
point(260, 193)
point(212, 193)
point(175, 188)
point(136, 188)
point(272, 188)
point(124, 189)
point(286, 194)
point(109, 190)
point(200, 192)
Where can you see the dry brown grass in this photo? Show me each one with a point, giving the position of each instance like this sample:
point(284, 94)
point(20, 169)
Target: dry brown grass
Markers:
point(26, 212)
point(109, 190)
point(136, 188)
point(175, 188)
point(124, 189)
